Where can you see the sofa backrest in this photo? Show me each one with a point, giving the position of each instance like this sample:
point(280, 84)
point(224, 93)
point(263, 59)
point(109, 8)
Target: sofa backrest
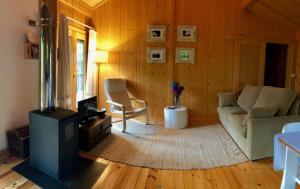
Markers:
point(294, 110)
point(281, 98)
point(248, 97)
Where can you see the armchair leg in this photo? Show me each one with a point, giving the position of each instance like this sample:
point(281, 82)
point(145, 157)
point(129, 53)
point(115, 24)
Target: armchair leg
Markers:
point(147, 118)
point(124, 123)
point(124, 126)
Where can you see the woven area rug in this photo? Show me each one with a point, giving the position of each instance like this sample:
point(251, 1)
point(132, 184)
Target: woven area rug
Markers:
point(160, 148)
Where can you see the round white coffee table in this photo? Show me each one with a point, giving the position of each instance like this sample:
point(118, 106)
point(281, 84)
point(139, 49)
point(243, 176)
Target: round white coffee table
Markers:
point(176, 118)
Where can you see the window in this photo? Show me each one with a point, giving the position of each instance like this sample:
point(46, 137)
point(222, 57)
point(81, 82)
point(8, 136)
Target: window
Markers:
point(80, 67)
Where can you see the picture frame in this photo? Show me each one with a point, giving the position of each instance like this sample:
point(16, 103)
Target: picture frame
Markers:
point(185, 55)
point(156, 33)
point(156, 55)
point(186, 33)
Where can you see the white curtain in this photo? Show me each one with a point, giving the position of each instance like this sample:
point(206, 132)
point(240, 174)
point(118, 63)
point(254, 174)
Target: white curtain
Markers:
point(63, 75)
point(92, 75)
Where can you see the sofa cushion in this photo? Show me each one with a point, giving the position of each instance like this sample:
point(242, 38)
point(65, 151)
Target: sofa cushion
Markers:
point(294, 110)
point(236, 122)
point(230, 110)
point(226, 99)
point(259, 113)
point(281, 98)
point(249, 96)
point(263, 112)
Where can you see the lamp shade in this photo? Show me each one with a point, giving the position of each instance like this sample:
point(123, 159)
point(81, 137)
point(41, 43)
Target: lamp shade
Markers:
point(101, 57)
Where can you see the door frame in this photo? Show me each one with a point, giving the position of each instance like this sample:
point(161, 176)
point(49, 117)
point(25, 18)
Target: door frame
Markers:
point(290, 69)
point(76, 34)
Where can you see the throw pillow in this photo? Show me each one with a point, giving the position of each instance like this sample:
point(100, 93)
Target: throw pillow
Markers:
point(281, 98)
point(226, 99)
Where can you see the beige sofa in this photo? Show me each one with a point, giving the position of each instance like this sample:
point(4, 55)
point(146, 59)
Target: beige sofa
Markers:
point(256, 116)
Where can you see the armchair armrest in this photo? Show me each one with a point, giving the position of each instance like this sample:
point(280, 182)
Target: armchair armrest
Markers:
point(140, 101)
point(227, 99)
point(261, 132)
point(116, 104)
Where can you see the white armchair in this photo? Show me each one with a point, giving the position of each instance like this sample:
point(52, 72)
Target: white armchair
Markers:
point(120, 103)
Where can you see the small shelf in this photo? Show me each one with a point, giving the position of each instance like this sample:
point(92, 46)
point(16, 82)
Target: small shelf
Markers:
point(31, 51)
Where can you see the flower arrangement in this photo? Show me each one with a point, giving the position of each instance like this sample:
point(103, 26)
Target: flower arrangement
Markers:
point(177, 91)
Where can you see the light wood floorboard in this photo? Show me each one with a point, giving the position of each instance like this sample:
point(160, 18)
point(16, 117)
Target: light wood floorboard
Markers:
point(256, 174)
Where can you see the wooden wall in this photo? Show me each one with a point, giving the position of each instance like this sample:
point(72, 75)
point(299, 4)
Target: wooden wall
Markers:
point(77, 10)
point(121, 27)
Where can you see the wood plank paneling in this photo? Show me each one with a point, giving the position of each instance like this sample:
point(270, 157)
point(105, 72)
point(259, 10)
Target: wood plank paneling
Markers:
point(124, 23)
point(76, 10)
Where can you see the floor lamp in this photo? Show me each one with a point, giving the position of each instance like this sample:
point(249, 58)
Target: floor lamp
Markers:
point(101, 57)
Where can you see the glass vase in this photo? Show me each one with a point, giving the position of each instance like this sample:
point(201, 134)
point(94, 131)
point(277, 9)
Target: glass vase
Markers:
point(176, 101)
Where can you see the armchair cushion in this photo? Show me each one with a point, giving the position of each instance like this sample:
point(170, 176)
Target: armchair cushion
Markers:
point(248, 97)
point(116, 91)
point(226, 99)
point(281, 98)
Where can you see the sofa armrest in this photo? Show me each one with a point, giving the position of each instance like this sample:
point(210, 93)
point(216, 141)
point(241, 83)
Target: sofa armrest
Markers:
point(261, 132)
point(227, 99)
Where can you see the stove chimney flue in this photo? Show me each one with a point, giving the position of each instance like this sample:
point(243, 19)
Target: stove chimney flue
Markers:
point(48, 22)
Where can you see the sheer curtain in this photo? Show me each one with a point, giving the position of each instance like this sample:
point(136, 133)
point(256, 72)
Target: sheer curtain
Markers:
point(91, 80)
point(63, 75)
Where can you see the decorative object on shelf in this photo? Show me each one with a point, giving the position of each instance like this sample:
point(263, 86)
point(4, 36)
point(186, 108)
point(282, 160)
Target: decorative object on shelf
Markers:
point(177, 91)
point(31, 51)
point(156, 55)
point(186, 33)
point(31, 46)
point(185, 55)
point(156, 33)
point(32, 38)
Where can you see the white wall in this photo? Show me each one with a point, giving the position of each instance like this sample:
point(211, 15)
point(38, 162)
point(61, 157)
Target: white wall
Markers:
point(18, 77)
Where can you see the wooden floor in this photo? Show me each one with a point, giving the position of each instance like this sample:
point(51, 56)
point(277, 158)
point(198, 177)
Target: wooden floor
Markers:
point(258, 174)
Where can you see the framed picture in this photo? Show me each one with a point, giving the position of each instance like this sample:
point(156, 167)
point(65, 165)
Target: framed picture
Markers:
point(186, 33)
point(156, 33)
point(185, 55)
point(156, 55)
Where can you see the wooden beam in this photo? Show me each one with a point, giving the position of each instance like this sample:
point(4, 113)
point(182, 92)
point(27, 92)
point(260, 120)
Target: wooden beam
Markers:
point(263, 11)
point(87, 10)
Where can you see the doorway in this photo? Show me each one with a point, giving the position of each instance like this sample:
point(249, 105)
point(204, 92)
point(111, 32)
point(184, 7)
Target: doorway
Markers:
point(78, 43)
point(276, 65)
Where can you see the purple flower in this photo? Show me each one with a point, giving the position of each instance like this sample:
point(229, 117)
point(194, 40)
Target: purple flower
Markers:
point(177, 88)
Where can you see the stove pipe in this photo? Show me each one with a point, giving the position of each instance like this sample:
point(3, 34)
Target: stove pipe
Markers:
point(48, 22)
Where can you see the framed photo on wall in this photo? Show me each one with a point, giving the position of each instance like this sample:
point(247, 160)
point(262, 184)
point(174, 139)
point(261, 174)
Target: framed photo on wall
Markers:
point(156, 33)
point(185, 55)
point(156, 55)
point(186, 33)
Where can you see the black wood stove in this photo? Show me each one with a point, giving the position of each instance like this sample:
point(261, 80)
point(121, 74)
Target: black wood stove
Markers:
point(53, 141)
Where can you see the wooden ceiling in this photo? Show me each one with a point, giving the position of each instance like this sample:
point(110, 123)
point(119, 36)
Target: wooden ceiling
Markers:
point(93, 3)
point(286, 12)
